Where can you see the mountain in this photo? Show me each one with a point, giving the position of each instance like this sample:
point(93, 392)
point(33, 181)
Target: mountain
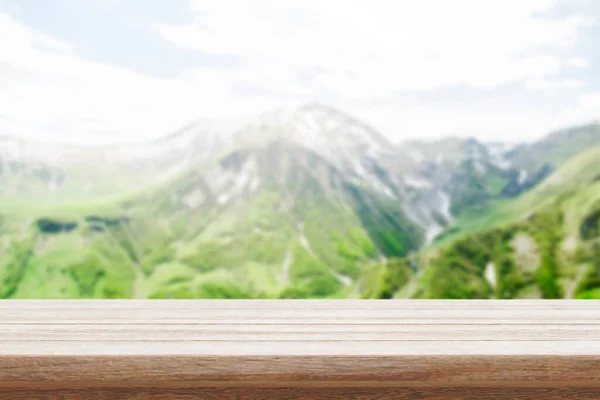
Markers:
point(537, 160)
point(62, 173)
point(295, 203)
point(292, 204)
point(556, 148)
point(544, 244)
point(469, 172)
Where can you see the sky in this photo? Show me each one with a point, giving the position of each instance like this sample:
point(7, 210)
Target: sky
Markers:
point(109, 71)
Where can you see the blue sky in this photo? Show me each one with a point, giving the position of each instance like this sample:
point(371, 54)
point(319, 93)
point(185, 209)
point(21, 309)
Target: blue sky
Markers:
point(108, 71)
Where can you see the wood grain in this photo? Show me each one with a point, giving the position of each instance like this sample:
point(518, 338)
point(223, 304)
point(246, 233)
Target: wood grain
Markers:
point(253, 393)
point(297, 349)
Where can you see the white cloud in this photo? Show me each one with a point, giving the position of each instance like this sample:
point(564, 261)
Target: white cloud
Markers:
point(590, 100)
point(577, 62)
point(376, 46)
point(48, 92)
point(362, 50)
point(587, 108)
point(429, 122)
point(15, 36)
point(553, 86)
point(504, 123)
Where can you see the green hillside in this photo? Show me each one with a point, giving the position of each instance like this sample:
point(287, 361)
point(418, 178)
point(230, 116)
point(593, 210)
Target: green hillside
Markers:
point(304, 233)
point(545, 244)
point(307, 204)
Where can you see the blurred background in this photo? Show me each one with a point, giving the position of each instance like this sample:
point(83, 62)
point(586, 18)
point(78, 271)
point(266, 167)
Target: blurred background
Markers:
point(299, 149)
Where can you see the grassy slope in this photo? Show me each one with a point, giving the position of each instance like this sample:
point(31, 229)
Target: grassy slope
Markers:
point(297, 238)
point(576, 176)
point(291, 239)
point(561, 221)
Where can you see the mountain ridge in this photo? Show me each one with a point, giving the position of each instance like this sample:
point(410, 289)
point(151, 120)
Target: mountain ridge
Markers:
point(296, 203)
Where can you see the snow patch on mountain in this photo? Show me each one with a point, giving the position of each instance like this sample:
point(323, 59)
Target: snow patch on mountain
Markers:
point(502, 164)
point(479, 167)
point(522, 177)
point(497, 155)
point(417, 156)
point(194, 199)
point(432, 232)
point(360, 169)
point(226, 183)
point(238, 181)
point(417, 182)
point(254, 184)
point(445, 206)
point(383, 189)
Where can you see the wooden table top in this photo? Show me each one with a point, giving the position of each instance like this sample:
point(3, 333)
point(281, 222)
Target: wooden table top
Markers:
point(276, 349)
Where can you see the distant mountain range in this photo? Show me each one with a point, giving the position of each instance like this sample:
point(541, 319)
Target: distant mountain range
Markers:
point(300, 203)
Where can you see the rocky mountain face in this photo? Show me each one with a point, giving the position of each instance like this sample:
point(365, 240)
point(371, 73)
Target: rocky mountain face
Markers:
point(294, 203)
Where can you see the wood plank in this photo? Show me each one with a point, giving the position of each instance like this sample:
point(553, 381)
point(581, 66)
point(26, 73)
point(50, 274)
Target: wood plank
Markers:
point(253, 393)
point(301, 347)
point(259, 349)
point(197, 371)
point(299, 312)
point(295, 332)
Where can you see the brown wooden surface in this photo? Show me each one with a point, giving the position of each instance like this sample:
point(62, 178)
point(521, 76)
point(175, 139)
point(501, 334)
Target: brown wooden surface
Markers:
point(253, 393)
point(299, 349)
